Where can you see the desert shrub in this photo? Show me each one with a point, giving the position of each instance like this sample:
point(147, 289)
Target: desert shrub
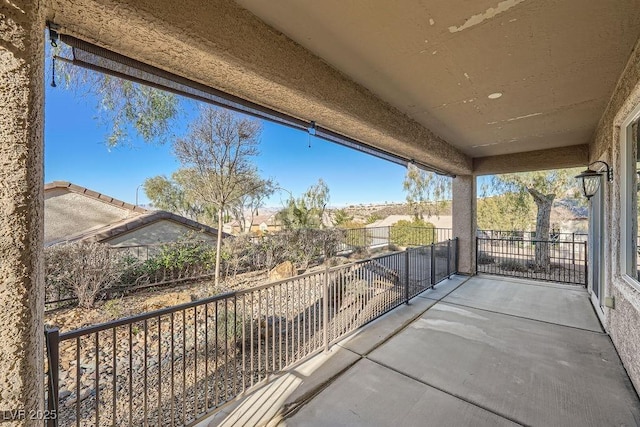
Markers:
point(513, 265)
point(485, 258)
point(413, 233)
point(300, 246)
point(239, 254)
point(86, 269)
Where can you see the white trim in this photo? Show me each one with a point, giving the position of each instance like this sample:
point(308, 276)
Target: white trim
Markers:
point(626, 231)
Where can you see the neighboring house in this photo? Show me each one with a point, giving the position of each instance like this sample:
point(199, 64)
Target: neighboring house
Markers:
point(267, 223)
point(74, 213)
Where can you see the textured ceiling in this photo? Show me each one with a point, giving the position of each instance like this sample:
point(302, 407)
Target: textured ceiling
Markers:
point(554, 62)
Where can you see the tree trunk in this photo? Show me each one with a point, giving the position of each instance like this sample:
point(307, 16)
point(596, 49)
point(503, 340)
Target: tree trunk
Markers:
point(218, 249)
point(543, 222)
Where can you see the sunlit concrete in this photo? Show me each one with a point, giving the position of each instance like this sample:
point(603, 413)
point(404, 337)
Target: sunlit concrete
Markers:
point(456, 365)
point(559, 304)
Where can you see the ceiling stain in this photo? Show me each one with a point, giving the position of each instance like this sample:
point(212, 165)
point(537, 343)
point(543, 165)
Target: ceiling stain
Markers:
point(503, 6)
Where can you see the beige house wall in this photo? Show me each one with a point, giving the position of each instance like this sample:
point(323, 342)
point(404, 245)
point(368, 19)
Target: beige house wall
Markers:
point(158, 232)
point(623, 321)
point(21, 208)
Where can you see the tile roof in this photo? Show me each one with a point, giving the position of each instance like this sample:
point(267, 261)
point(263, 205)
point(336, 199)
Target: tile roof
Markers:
point(94, 195)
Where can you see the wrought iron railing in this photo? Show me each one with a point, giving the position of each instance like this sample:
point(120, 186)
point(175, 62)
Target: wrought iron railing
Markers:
point(374, 237)
point(549, 260)
point(555, 236)
point(174, 366)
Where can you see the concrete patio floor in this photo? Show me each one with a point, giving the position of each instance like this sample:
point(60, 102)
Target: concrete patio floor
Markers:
point(471, 352)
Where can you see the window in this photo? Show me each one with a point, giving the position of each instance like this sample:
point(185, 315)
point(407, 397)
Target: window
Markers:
point(629, 197)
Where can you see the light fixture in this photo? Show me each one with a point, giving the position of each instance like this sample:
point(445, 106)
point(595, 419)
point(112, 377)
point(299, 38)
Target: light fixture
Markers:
point(591, 179)
point(495, 95)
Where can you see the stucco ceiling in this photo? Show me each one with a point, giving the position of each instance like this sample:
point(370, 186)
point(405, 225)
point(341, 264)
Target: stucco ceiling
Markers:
point(554, 62)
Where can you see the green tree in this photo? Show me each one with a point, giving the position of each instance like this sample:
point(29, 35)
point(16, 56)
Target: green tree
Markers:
point(123, 106)
point(426, 191)
point(307, 211)
point(341, 217)
point(507, 211)
point(171, 194)
point(218, 150)
point(543, 187)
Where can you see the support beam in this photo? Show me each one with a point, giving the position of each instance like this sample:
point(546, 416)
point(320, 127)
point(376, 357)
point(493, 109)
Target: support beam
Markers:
point(21, 208)
point(224, 46)
point(554, 158)
point(464, 221)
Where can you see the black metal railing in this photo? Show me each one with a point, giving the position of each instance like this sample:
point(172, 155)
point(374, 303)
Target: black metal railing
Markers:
point(168, 264)
point(555, 236)
point(549, 260)
point(375, 237)
point(174, 366)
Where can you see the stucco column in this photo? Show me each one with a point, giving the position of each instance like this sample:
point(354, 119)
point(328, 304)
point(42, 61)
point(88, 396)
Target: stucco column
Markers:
point(464, 221)
point(21, 209)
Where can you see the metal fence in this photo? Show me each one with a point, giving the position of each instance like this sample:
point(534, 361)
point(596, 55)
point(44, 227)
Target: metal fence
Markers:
point(166, 264)
point(549, 260)
point(377, 237)
point(174, 366)
point(531, 235)
point(182, 261)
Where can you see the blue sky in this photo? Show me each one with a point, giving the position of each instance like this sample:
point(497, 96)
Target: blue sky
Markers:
point(75, 151)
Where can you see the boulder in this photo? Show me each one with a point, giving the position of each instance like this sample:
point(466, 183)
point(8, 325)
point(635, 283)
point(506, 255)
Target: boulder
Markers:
point(282, 271)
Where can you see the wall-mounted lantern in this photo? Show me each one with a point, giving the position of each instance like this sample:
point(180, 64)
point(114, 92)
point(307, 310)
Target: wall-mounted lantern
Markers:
point(590, 179)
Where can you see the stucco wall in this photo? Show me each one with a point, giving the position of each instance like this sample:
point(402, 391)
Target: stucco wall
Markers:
point(21, 207)
point(464, 221)
point(68, 214)
point(158, 232)
point(622, 322)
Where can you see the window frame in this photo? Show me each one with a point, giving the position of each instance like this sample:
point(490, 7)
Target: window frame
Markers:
point(628, 236)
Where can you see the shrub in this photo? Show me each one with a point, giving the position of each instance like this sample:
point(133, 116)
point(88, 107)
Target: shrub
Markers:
point(413, 233)
point(239, 254)
point(513, 265)
point(485, 258)
point(87, 269)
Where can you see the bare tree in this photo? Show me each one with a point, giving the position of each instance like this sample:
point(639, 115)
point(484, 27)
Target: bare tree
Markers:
point(218, 149)
point(252, 197)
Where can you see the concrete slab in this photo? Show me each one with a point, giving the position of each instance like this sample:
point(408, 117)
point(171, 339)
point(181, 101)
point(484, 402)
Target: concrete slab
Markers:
point(371, 395)
point(532, 372)
point(266, 402)
point(376, 332)
point(561, 305)
point(443, 288)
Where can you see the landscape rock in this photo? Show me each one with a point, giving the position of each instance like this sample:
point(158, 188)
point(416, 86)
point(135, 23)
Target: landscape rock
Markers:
point(282, 271)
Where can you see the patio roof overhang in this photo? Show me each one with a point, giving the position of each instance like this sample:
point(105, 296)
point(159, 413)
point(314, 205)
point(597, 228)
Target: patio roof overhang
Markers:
point(451, 85)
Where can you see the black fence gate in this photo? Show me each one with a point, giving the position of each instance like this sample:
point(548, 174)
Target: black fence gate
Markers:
point(548, 260)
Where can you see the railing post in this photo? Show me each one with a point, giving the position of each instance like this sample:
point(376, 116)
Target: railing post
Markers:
point(477, 252)
point(456, 255)
point(406, 276)
point(52, 341)
point(325, 309)
point(448, 258)
point(433, 264)
point(586, 265)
